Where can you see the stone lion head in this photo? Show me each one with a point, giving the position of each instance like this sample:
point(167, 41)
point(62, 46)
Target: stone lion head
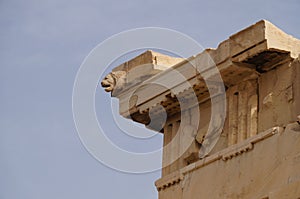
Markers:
point(113, 80)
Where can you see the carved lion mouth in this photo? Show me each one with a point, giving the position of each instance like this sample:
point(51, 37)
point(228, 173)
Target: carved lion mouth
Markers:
point(105, 83)
point(108, 83)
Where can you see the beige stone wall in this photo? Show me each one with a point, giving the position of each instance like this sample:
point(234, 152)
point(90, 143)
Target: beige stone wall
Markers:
point(279, 101)
point(270, 169)
point(240, 124)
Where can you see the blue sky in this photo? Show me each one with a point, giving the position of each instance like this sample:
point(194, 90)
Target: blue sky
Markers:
point(43, 44)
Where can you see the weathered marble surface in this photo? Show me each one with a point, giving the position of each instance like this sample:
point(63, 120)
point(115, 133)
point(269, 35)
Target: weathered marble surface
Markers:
point(257, 154)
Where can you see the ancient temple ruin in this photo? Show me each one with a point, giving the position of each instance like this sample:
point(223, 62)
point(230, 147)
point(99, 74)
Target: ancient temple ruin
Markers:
point(247, 147)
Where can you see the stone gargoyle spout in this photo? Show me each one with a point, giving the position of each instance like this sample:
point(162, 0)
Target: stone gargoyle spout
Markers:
point(113, 80)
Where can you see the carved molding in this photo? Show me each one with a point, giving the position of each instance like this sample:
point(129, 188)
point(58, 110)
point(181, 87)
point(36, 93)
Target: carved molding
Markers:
point(224, 155)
